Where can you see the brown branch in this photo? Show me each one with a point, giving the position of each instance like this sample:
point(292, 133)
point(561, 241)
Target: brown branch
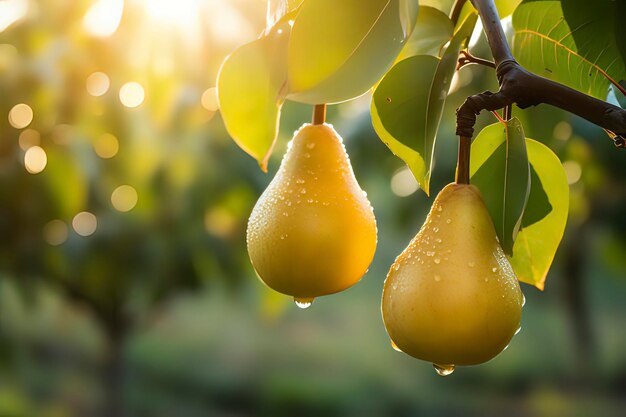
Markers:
point(519, 86)
point(455, 14)
point(466, 58)
point(319, 114)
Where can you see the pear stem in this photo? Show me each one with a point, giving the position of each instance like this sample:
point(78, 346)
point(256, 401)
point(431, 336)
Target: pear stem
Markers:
point(463, 163)
point(319, 114)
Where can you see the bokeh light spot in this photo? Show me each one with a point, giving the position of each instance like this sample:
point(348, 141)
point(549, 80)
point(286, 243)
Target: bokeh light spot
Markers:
point(573, 171)
point(562, 131)
point(132, 94)
point(98, 84)
point(403, 183)
point(209, 100)
point(35, 159)
point(124, 198)
point(106, 146)
point(20, 116)
point(103, 17)
point(85, 223)
point(55, 232)
point(29, 138)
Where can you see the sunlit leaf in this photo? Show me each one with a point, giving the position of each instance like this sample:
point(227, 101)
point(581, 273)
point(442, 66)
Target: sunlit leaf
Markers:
point(572, 42)
point(505, 8)
point(432, 31)
point(499, 168)
point(251, 90)
point(340, 49)
point(277, 9)
point(408, 104)
point(538, 240)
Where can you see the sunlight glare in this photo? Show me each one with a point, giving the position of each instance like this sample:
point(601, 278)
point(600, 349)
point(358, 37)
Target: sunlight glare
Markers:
point(11, 11)
point(178, 13)
point(103, 17)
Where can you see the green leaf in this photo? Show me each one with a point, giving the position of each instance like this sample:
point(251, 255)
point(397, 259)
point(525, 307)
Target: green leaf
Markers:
point(571, 42)
point(251, 90)
point(408, 104)
point(433, 29)
point(505, 8)
point(537, 241)
point(499, 168)
point(340, 49)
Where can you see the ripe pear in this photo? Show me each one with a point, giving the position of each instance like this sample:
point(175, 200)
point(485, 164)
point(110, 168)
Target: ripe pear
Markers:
point(313, 231)
point(452, 298)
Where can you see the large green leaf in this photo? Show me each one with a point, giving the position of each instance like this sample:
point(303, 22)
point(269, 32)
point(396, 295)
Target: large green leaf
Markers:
point(572, 42)
point(408, 104)
point(538, 239)
point(251, 89)
point(433, 29)
point(340, 49)
point(499, 168)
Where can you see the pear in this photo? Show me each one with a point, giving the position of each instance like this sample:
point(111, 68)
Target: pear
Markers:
point(312, 232)
point(452, 298)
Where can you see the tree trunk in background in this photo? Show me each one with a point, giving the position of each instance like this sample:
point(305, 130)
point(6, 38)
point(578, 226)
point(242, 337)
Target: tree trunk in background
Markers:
point(575, 301)
point(113, 373)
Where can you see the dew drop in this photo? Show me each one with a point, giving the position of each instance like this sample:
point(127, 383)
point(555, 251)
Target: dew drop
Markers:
point(443, 370)
point(437, 278)
point(430, 253)
point(494, 269)
point(285, 214)
point(435, 229)
point(310, 200)
point(303, 302)
point(395, 347)
point(299, 181)
point(303, 191)
point(310, 145)
point(439, 208)
point(449, 221)
point(437, 261)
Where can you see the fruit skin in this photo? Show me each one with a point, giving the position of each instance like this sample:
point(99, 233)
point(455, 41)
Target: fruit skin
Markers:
point(451, 297)
point(313, 231)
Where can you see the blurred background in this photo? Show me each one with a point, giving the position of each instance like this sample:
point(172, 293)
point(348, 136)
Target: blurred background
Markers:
point(125, 286)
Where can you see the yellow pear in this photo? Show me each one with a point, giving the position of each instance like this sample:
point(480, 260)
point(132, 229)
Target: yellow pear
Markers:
point(451, 298)
point(313, 231)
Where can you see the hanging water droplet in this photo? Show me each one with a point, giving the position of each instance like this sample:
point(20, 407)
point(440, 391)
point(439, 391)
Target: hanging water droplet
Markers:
point(303, 302)
point(395, 347)
point(443, 370)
